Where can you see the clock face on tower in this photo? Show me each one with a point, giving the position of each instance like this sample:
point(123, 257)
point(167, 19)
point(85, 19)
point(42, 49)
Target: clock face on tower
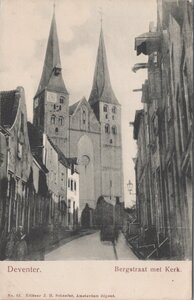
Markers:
point(51, 97)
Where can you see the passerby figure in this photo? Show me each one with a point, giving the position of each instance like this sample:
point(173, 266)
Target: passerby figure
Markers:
point(21, 248)
point(10, 245)
point(116, 233)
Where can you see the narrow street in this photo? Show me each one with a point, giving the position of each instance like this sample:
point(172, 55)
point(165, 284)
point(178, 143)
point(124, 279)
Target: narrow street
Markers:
point(91, 248)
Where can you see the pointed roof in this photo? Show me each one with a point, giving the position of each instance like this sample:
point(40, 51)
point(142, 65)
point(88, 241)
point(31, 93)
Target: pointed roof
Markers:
point(52, 60)
point(9, 102)
point(102, 89)
point(73, 107)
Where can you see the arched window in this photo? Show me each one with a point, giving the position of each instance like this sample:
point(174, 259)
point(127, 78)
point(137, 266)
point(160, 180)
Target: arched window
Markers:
point(60, 120)
point(107, 128)
point(114, 130)
point(84, 117)
point(56, 129)
point(114, 110)
point(53, 119)
point(105, 108)
point(62, 100)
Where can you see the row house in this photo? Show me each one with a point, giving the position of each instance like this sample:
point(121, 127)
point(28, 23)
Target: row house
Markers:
point(74, 213)
point(18, 159)
point(19, 205)
point(163, 130)
point(33, 173)
point(22, 197)
point(63, 183)
point(62, 205)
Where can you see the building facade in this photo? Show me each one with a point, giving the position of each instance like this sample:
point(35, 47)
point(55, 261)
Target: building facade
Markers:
point(54, 170)
point(164, 129)
point(88, 130)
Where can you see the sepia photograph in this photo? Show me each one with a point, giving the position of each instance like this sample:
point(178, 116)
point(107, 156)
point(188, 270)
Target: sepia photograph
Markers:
point(96, 112)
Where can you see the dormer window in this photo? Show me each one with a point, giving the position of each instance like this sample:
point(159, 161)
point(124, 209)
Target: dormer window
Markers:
point(57, 70)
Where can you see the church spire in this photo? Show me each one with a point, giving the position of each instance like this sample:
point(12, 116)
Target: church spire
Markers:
point(52, 63)
point(102, 89)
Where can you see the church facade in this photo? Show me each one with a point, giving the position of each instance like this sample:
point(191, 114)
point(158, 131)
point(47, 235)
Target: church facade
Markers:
point(89, 131)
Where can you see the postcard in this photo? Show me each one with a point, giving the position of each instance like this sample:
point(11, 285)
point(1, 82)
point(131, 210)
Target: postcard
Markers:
point(96, 161)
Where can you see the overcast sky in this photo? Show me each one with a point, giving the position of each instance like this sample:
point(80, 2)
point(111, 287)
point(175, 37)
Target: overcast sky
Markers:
point(24, 29)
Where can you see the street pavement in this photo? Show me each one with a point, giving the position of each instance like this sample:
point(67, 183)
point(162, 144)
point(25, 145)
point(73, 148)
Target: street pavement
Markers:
point(90, 247)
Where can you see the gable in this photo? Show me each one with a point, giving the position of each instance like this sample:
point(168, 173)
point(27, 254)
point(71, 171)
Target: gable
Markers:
point(83, 117)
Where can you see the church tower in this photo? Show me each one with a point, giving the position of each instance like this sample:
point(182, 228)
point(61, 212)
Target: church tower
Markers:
point(51, 102)
point(108, 112)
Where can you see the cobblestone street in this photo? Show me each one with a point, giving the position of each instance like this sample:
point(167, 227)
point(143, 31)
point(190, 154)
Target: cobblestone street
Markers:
point(91, 248)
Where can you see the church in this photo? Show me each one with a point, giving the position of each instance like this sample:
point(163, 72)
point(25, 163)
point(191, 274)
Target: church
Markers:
point(89, 130)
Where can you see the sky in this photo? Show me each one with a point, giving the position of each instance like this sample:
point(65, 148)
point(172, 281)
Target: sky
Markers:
point(24, 30)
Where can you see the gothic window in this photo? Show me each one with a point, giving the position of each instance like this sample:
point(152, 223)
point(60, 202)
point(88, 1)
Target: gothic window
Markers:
point(69, 203)
point(60, 120)
point(56, 129)
point(84, 117)
point(53, 119)
point(105, 108)
point(106, 116)
point(107, 128)
point(114, 110)
point(62, 175)
point(114, 130)
point(62, 100)
point(71, 185)
point(57, 107)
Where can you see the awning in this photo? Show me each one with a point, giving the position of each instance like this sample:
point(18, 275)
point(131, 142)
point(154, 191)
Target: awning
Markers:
point(147, 43)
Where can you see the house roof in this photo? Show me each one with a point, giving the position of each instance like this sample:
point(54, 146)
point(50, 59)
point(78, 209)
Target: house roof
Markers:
point(35, 136)
point(73, 107)
point(9, 102)
point(36, 144)
point(102, 89)
point(61, 157)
